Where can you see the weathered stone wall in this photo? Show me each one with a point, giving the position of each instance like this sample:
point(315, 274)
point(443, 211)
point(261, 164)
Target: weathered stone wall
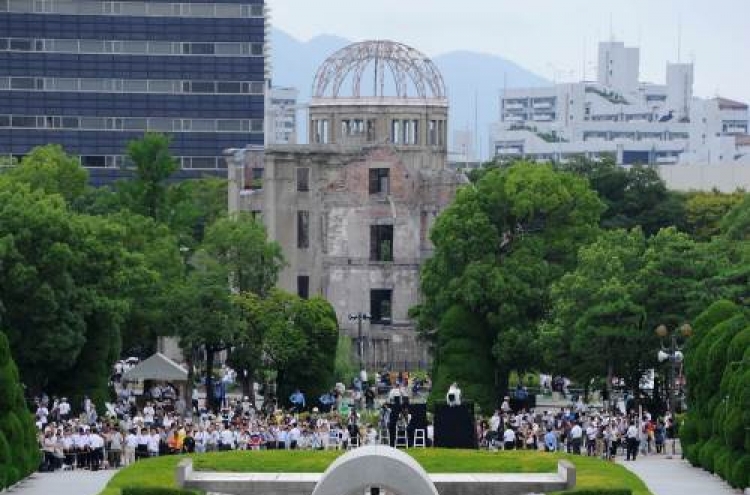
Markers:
point(341, 213)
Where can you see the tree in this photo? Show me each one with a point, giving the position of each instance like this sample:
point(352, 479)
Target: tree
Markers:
point(463, 354)
point(61, 282)
point(634, 196)
point(597, 326)
point(161, 257)
point(704, 212)
point(51, 170)
point(299, 342)
point(17, 428)
point(154, 164)
point(240, 245)
point(716, 432)
point(498, 248)
point(736, 224)
point(193, 205)
point(205, 319)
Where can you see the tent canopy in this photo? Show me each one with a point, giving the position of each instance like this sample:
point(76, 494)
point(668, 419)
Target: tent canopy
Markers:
point(157, 367)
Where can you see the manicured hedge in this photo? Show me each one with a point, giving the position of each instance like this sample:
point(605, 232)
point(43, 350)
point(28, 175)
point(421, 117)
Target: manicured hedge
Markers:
point(135, 490)
point(19, 452)
point(716, 432)
point(623, 491)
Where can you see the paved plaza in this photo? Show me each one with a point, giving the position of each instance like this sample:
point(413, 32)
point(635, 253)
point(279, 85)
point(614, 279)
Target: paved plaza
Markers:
point(80, 482)
point(676, 477)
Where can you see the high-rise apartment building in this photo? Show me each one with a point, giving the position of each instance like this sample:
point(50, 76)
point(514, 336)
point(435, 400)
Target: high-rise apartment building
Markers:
point(281, 116)
point(636, 122)
point(91, 75)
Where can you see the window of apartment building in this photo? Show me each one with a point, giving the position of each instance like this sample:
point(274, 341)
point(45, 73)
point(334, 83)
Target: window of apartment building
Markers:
point(380, 306)
point(379, 181)
point(381, 242)
point(303, 229)
point(303, 286)
point(303, 179)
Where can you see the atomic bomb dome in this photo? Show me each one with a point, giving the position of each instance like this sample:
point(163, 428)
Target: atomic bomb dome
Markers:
point(379, 69)
point(379, 92)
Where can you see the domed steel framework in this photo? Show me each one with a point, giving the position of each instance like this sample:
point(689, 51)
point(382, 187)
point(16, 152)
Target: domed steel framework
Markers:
point(409, 69)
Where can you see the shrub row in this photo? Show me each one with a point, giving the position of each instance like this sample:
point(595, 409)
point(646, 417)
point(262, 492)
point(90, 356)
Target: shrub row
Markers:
point(136, 490)
point(716, 431)
point(610, 491)
point(19, 453)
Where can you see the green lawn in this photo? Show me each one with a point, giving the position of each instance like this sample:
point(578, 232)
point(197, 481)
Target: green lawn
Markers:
point(591, 472)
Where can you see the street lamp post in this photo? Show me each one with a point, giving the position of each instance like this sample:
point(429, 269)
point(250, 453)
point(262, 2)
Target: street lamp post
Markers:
point(673, 354)
point(359, 318)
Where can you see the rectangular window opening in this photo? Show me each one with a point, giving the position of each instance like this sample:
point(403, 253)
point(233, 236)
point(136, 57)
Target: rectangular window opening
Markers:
point(380, 306)
point(303, 229)
point(379, 181)
point(303, 286)
point(381, 243)
point(303, 179)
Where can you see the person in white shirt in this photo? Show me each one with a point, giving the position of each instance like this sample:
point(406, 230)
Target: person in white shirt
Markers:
point(153, 443)
point(453, 397)
point(131, 443)
point(41, 415)
point(509, 439)
point(293, 437)
point(576, 438)
point(591, 431)
point(96, 445)
point(227, 439)
point(148, 415)
point(201, 440)
point(64, 408)
point(495, 421)
point(631, 439)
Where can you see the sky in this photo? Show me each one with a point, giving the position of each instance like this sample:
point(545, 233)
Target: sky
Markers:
point(556, 39)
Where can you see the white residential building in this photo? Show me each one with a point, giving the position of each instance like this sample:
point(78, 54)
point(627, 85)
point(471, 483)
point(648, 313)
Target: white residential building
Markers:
point(637, 122)
point(281, 116)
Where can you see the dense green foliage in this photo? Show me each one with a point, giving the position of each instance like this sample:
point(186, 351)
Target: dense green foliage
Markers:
point(498, 248)
point(575, 287)
point(591, 473)
point(89, 274)
point(716, 434)
point(19, 454)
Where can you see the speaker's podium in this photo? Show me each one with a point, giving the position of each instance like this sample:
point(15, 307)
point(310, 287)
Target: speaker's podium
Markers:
point(454, 426)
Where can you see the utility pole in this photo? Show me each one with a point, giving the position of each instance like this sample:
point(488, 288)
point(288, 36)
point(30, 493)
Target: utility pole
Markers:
point(359, 318)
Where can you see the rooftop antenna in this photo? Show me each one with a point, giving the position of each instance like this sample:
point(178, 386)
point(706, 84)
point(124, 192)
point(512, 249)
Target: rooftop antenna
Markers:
point(611, 28)
point(679, 39)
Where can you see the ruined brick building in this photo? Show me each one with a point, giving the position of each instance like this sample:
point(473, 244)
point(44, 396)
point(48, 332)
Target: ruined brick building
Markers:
point(352, 210)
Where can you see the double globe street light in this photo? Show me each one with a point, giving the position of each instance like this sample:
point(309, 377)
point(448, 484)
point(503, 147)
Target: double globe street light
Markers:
point(672, 353)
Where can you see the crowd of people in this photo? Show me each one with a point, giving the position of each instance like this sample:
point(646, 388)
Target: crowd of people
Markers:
point(579, 430)
point(165, 423)
point(352, 416)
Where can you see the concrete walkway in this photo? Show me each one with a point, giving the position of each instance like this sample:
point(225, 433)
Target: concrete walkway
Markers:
point(79, 482)
point(676, 477)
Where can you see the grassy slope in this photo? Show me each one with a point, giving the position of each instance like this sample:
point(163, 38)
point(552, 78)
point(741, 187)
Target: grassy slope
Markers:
point(592, 473)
